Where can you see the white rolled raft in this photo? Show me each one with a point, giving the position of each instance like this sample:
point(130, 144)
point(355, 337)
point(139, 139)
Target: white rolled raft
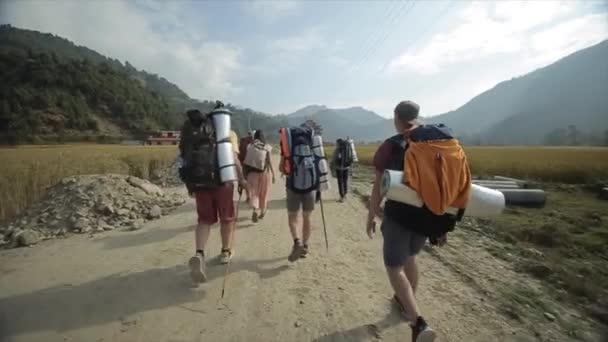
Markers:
point(484, 202)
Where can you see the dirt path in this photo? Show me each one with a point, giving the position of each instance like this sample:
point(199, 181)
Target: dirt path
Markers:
point(134, 286)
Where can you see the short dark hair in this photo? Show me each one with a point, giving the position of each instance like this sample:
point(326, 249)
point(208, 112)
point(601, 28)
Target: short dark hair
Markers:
point(406, 111)
point(259, 135)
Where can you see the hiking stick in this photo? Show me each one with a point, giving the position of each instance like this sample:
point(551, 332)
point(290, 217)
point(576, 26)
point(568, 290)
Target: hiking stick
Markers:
point(324, 226)
point(227, 272)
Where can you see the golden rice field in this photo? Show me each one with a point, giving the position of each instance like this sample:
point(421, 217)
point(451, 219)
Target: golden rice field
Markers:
point(550, 164)
point(26, 171)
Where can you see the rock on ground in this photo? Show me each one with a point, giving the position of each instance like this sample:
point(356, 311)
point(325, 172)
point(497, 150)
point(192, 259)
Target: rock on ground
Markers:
point(91, 203)
point(26, 238)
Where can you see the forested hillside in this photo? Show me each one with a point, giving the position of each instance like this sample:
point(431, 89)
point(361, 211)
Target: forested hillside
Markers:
point(54, 90)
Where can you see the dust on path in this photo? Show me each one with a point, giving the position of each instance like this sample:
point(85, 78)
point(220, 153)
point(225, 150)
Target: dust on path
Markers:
point(134, 286)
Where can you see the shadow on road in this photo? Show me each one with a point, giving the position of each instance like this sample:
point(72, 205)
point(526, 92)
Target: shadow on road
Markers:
point(366, 332)
point(108, 299)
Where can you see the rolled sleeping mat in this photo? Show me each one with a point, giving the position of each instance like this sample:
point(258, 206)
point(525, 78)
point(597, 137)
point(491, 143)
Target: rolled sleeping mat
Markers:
point(484, 202)
point(319, 151)
point(352, 147)
point(221, 123)
point(225, 161)
point(525, 197)
point(317, 146)
point(324, 184)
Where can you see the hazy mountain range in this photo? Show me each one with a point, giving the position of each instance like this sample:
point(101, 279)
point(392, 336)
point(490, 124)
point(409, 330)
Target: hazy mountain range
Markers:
point(50, 86)
point(563, 103)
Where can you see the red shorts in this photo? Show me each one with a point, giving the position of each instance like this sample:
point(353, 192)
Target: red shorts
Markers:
point(210, 203)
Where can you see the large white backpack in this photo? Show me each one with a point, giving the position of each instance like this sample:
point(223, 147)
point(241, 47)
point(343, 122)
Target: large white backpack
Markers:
point(257, 153)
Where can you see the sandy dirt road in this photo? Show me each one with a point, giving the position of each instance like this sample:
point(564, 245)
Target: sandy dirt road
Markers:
point(135, 286)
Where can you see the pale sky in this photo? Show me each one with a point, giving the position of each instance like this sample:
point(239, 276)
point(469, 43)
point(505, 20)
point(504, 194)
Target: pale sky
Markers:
point(278, 56)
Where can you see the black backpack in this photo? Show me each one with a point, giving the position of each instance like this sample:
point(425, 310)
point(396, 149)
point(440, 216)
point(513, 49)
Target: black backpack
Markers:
point(305, 165)
point(198, 148)
point(345, 154)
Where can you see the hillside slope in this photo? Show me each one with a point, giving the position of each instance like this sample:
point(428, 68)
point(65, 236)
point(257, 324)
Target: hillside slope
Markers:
point(51, 87)
point(524, 110)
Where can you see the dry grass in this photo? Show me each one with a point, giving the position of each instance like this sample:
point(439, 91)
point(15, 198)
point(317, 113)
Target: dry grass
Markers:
point(26, 172)
point(550, 164)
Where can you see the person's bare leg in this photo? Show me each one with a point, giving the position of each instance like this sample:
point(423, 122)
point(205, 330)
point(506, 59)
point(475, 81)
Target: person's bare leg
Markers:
point(306, 227)
point(227, 230)
point(197, 262)
point(411, 272)
point(404, 292)
point(292, 217)
point(201, 236)
point(298, 249)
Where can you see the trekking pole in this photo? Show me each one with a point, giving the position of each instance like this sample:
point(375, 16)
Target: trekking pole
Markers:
point(227, 272)
point(324, 226)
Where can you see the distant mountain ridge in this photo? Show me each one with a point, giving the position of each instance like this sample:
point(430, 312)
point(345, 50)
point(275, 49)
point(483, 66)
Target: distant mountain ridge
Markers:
point(527, 109)
point(564, 103)
point(355, 122)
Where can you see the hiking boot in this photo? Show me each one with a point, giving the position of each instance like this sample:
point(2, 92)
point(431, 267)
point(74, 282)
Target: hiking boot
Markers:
point(225, 256)
point(296, 252)
point(198, 268)
point(421, 332)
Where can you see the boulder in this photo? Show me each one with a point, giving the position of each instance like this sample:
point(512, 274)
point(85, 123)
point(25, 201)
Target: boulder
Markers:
point(80, 225)
point(26, 238)
point(155, 212)
point(137, 224)
point(147, 187)
point(123, 212)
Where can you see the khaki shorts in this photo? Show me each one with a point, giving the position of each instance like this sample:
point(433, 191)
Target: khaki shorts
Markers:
point(297, 201)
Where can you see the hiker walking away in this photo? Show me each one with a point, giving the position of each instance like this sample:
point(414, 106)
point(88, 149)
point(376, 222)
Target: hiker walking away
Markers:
point(301, 168)
point(260, 175)
point(341, 162)
point(405, 228)
point(198, 148)
point(243, 144)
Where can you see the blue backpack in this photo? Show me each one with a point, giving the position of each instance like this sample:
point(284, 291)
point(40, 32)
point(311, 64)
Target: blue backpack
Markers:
point(305, 164)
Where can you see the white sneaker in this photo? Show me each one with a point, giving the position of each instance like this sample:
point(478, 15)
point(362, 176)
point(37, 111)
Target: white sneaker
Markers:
point(197, 268)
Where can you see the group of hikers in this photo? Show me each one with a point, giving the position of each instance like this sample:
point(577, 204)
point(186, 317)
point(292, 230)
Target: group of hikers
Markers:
point(405, 228)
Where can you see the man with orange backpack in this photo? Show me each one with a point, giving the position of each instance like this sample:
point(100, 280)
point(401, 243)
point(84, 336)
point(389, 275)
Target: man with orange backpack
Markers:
point(431, 156)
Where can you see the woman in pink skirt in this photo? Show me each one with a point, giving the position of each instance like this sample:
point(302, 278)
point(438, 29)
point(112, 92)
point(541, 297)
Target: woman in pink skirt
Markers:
point(260, 176)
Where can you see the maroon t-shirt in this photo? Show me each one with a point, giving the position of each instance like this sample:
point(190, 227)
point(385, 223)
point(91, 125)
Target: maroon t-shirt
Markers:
point(383, 156)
